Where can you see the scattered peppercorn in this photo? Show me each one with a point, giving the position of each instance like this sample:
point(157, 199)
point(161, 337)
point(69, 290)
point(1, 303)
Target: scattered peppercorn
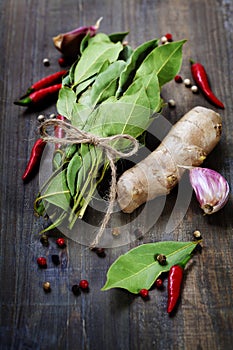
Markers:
point(76, 289)
point(178, 79)
point(62, 62)
point(197, 234)
point(84, 285)
point(169, 37)
point(100, 252)
point(61, 242)
point(47, 287)
point(194, 89)
point(44, 240)
point(171, 103)
point(161, 258)
point(159, 283)
point(55, 259)
point(163, 40)
point(46, 62)
point(187, 82)
point(116, 232)
point(42, 262)
point(41, 118)
point(144, 293)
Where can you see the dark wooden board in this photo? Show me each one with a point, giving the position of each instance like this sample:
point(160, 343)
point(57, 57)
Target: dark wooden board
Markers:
point(31, 319)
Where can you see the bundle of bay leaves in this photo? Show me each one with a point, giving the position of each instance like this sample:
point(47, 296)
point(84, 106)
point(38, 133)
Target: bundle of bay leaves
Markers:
point(111, 89)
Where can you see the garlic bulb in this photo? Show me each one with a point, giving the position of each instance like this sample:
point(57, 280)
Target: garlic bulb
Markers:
point(211, 189)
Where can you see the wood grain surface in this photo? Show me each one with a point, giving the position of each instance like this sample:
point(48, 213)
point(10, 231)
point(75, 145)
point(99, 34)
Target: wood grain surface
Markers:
point(32, 319)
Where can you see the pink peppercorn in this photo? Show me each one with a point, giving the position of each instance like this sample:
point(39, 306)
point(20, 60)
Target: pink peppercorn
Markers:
point(169, 36)
point(144, 293)
point(42, 262)
point(83, 284)
point(178, 79)
point(62, 62)
point(159, 283)
point(61, 242)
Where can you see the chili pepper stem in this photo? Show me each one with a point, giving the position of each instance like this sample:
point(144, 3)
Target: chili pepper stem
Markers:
point(23, 101)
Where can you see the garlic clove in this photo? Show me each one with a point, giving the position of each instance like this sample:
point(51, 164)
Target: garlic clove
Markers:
point(211, 189)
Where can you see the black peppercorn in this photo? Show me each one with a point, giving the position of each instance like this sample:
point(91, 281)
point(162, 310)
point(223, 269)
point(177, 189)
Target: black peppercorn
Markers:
point(76, 289)
point(162, 260)
point(55, 259)
point(44, 240)
point(100, 252)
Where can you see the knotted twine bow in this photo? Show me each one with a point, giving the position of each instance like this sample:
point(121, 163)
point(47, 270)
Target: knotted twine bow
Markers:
point(74, 135)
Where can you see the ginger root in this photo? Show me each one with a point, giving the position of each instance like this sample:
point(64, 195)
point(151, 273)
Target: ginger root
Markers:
point(187, 144)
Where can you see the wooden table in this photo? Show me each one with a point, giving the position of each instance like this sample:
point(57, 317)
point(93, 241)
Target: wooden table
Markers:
point(32, 319)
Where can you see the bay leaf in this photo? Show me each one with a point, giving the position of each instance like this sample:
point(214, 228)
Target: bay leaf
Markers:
point(84, 42)
point(164, 61)
point(57, 159)
point(132, 113)
point(84, 85)
point(126, 53)
point(79, 88)
point(137, 57)
point(57, 192)
point(68, 79)
point(105, 84)
point(100, 49)
point(138, 268)
point(66, 102)
point(118, 36)
point(72, 172)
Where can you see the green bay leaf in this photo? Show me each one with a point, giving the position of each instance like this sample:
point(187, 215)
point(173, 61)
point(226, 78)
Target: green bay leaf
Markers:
point(105, 84)
point(138, 268)
point(118, 36)
point(136, 58)
point(57, 192)
point(72, 172)
point(100, 49)
point(66, 102)
point(164, 61)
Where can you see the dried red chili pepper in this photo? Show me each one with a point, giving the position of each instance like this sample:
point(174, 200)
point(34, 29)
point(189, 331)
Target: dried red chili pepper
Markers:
point(34, 161)
point(39, 96)
point(175, 279)
point(49, 80)
point(200, 76)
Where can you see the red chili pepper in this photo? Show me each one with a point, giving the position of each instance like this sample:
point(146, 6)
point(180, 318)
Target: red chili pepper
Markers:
point(39, 96)
point(58, 131)
point(34, 160)
point(47, 81)
point(200, 76)
point(175, 279)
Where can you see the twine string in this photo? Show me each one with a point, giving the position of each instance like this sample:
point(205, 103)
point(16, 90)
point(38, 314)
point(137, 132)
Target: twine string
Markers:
point(74, 135)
